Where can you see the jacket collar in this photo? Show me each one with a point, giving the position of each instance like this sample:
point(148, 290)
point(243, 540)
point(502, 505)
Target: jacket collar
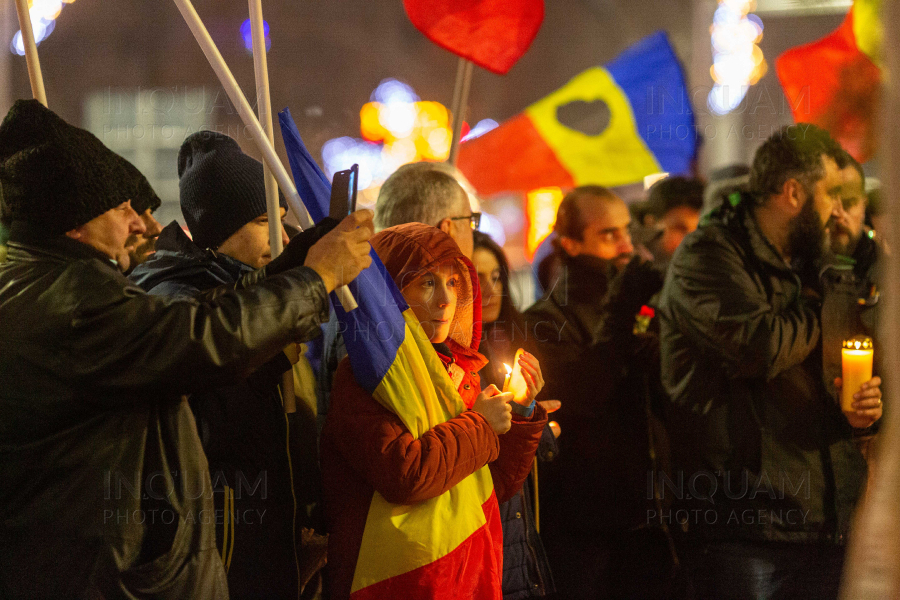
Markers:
point(179, 258)
point(739, 216)
point(34, 239)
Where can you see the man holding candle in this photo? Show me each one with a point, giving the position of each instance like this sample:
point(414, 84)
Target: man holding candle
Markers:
point(766, 453)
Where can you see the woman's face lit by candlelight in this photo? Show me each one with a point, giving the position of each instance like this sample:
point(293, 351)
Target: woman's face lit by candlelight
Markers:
point(432, 296)
point(488, 269)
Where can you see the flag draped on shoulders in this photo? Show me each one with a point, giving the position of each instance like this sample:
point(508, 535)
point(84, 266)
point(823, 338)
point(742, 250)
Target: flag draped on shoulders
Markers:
point(609, 125)
point(392, 359)
point(835, 82)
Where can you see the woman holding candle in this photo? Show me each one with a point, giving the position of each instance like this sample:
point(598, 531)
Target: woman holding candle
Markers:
point(367, 448)
point(526, 571)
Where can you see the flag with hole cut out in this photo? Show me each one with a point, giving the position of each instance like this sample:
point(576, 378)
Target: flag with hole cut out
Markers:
point(609, 125)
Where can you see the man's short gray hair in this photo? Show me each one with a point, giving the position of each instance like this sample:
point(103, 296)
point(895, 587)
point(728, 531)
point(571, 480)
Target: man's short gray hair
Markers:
point(419, 193)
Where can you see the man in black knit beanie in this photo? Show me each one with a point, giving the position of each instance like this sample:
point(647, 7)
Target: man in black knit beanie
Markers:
point(262, 460)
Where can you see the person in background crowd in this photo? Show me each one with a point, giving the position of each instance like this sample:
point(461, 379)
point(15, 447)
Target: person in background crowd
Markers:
point(594, 494)
point(526, 572)
point(105, 480)
point(741, 342)
point(249, 440)
point(367, 448)
point(851, 288)
point(144, 201)
point(671, 212)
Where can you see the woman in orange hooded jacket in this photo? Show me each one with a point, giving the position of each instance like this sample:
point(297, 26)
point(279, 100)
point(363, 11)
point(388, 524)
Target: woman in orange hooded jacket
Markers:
point(368, 451)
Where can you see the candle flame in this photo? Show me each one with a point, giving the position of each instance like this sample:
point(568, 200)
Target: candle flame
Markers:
point(508, 368)
point(857, 344)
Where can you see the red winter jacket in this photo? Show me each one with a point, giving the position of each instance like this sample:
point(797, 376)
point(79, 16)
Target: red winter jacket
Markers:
point(365, 447)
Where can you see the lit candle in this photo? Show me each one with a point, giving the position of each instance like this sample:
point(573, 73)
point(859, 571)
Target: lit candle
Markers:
point(506, 381)
point(856, 363)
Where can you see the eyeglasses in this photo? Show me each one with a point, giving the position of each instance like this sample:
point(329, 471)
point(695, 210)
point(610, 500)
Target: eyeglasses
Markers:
point(474, 219)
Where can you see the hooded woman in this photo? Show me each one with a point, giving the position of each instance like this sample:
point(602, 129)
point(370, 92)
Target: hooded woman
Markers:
point(369, 454)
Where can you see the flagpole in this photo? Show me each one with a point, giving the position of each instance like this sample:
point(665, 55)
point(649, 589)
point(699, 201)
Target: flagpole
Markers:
point(873, 557)
point(31, 54)
point(267, 149)
point(464, 70)
point(264, 109)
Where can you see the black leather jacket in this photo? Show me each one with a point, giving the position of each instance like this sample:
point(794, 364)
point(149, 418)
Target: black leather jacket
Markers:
point(763, 449)
point(103, 483)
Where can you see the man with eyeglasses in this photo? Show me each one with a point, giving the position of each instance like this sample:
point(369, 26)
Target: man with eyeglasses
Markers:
point(427, 193)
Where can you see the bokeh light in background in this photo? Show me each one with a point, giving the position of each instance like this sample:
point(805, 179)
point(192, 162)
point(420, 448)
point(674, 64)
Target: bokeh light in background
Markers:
point(396, 127)
point(738, 62)
point(540, 212)
point(247, 35)
point(492, 226)
point(43, 19)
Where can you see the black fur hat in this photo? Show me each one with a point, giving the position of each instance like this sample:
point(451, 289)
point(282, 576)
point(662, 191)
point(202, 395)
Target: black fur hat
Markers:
point(54, 174)
point(139, 189)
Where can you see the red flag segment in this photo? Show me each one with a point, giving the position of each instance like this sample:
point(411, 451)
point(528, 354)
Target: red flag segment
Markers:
point(833, 84)
point(493, 34)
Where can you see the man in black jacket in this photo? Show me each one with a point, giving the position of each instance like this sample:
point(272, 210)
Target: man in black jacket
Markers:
point(252, 444)
point(769, 474)
point(105, 486)
point(593, 496)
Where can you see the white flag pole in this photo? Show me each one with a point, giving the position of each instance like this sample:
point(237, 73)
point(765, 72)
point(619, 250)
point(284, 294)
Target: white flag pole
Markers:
point(264, 109)
point(267, 149)
point(31, 54)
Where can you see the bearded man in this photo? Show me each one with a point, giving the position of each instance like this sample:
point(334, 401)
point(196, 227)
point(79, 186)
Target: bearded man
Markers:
point(767, 457)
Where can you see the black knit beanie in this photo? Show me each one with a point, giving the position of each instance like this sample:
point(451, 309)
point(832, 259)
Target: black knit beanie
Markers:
point(138, 188)
point(222, 189)
point(53, 174)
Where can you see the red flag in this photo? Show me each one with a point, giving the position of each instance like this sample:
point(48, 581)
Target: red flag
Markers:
point(493, 34)
point(833, 84)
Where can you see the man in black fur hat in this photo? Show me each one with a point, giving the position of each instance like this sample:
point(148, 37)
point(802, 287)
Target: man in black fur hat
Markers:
point(144, 201)
point(105, 485)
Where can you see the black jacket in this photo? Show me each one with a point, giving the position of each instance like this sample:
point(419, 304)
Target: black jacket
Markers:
point(249, 441)
point(104, 484)
point(763, 449)
point(601, 471)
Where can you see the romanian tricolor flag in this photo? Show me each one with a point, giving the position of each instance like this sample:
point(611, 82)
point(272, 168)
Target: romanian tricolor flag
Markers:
point(609, 125)
point(835, 82)
point(403, 546)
